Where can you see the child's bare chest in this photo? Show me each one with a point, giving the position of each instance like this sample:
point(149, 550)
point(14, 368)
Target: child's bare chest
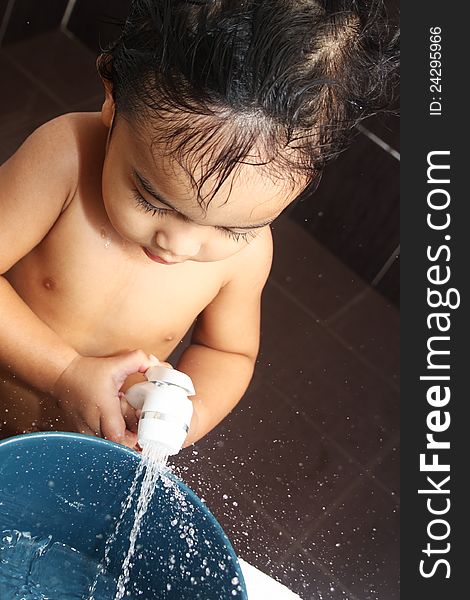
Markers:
point(103, 295)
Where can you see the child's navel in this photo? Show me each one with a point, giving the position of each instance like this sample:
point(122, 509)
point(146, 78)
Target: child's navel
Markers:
point(49, 283)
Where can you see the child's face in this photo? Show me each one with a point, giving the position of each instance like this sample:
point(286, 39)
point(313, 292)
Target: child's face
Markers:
point(150, 202)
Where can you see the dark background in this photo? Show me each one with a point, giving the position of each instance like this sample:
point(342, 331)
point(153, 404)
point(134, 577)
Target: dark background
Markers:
point(303, 475)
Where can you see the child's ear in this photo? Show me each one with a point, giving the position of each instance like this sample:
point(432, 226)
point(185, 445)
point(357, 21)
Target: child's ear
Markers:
point(108, 108)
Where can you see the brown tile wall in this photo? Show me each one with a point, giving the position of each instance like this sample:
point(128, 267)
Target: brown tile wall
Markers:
point(355, 211)
point(21, 19)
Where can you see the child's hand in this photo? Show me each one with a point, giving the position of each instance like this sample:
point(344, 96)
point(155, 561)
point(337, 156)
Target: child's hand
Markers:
point(88, 390)
point(130, 414)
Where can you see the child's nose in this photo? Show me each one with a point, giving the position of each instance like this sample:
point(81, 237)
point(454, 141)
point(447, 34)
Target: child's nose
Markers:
point(180, 241)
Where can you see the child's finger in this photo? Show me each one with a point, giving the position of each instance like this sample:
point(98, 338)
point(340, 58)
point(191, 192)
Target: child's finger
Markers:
point(154, 360)
point(129, 414)
point(83, 428)
point(113, 426)
point(159, 363)
point(130, 439)
point(166, 364)
point(89, 424)
point(132, 362)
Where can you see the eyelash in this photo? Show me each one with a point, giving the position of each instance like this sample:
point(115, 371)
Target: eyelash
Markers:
point(236, 235)
point(147, 207)
point(142, 203)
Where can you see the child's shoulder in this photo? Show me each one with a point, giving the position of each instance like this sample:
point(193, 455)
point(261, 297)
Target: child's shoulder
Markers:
point(76, 134)
point(67, 134)
point(39, 180)
point(59, 146)
point(75, 125)
point(83, 128)
point(250, 267)
point(72, 143)
point(71, 136)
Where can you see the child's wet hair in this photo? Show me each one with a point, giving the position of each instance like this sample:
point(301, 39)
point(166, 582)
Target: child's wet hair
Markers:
point(277, 83)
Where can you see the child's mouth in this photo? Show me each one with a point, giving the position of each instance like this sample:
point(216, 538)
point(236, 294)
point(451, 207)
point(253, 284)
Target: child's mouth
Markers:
point(156, 258)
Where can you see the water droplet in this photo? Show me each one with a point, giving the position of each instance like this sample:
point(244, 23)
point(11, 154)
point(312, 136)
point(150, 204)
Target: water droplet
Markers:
point(106, 237)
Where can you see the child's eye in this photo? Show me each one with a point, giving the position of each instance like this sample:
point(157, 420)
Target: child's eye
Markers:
point(246, 236)
point(142, 203)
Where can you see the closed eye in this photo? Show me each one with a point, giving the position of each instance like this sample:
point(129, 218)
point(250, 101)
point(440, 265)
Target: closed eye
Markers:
point(238, 235)
point(143, 203)
point(155, 210)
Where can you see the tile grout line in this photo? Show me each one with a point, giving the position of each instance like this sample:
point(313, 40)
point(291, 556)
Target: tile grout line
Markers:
point(74, 38)
point(328, 512)
point(264, 513)
point(366, 469)
point(334, 335)
point(67, 14)
point(234, 484)
point(309, 556)
point(37, 82)
point(341, 311)
point(294, 546)
point(297, 545)
point(288, 535)
point(380, 275)
point(315, 525)
point(258, 508)
point(388, 264)
point(6, 19)
point(374, 465)
point(379, 141)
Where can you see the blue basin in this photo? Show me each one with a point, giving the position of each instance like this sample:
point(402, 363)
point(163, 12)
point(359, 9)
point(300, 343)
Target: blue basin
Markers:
point(71, 487)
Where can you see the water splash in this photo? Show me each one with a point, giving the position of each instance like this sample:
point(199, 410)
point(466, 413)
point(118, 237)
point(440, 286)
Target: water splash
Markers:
point(152, 465)
point(154, 460)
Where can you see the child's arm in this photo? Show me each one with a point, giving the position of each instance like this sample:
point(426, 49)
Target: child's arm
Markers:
point(225, 341)
point(35, 185)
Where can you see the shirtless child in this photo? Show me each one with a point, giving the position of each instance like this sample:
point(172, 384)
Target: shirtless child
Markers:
point(120, 229)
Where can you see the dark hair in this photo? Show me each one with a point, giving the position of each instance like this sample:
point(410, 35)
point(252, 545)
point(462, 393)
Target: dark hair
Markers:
point(288, 79)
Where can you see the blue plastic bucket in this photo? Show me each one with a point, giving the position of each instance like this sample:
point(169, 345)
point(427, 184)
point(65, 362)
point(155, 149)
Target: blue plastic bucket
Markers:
point(71, 487)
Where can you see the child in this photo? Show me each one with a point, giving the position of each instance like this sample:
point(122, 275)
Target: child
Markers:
point(120, 229)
